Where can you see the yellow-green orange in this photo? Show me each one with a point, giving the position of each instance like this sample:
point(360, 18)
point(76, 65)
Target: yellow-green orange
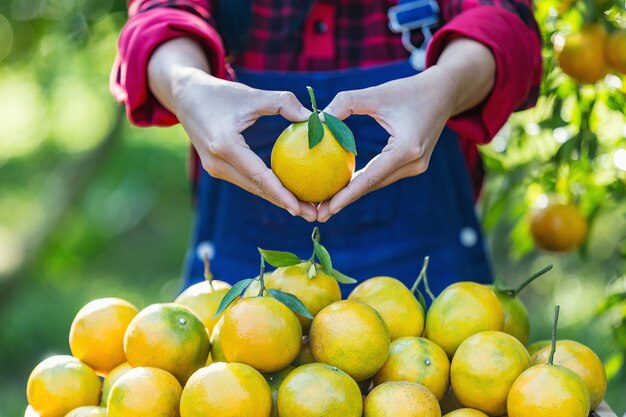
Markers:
point(401, 399)
point(88, 411)
point(351, 336)
point(466, 412)
point(226, 390)
point(583, 361)
point(204, 299)
point(111, 378)
point(484, 368)
point(275, 379)
point(416, 359)
point(304, 356)
point(312, 175)
point(537, 346)
point(97, 333)
point(145, 392)
point(60, 384)
point(548, 391)
point(217, 354)
point(516, 322)
point(261, 332)
point(402, 313)
point(317, 389)
point(315, 293)
point(167, 336)
point(460, 311)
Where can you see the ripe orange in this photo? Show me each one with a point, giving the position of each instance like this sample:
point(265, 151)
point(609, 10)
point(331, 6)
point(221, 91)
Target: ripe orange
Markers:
point(537, 346)
point(516, 322)
point(204, 300)
point(416, 359)
point(402, 313)
point(466, 412)
point(312, 175)
point(460, 311)
point(558, 227)
point(167, 336)
point(88, 411)
point(315, 293)
point(548, 391)
point(275, 379)
point(616, 50)
point(60, 384)
point(226, 390)
point(145, 392)
point(583, 361)
point(401, 399)
point(484, 368)
point(110, 379)
point(217, 354)
point(318, 389)
point(97, 333)
point(261, 332)
point(351, 336)
point(304, 356)
point(582, 56)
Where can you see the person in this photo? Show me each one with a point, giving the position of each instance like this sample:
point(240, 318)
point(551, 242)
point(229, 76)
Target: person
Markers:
point(234, 74)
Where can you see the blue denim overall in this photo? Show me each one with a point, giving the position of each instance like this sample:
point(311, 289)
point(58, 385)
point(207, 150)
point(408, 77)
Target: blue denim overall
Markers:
point(387, 232)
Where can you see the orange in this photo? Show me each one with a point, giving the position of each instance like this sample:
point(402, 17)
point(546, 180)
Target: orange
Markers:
point(312, 175)
point(167, 336)
point(60, 384)
point(582, 56)
point(274, 380)
point(401, 399)
point(97, 333)
point(484, 368)
point(416, 359)
point(466, 412)
point(217, 354)
point(402, 313)
point(261, 332)
point(145, 392)
point(351, 336)
point(460, 311)
point(111, 378)
point(317, 389)
point(204, 300)
point(616, 50)
point(516, 322)
point(88, 411)
point(315, 293)
point(537, 346)
point(548, 391)
point(226, 390)
point(304, 356)
point(558, 227)
point(583, 361)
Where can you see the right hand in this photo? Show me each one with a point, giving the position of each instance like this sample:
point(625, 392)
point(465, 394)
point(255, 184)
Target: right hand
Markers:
point(214, 112)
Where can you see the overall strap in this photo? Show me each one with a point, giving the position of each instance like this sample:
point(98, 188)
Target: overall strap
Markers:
point(409, 15)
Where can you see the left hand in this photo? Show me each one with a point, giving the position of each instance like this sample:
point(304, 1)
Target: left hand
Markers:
point(414, 111)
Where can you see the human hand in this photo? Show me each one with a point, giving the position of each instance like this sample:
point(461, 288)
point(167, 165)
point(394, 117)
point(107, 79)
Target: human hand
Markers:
point(214, 112)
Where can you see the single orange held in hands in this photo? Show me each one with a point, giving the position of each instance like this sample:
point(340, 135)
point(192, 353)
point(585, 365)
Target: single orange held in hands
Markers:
point(402, 313)
point(60, 384)
point(261, 332)
point(97, 333)
point(226, 390)
point(558, 227)
point(582, 55)
point(401, 399)
point(351, 336)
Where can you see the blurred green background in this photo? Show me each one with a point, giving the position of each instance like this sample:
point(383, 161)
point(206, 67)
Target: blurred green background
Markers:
point(91, 206)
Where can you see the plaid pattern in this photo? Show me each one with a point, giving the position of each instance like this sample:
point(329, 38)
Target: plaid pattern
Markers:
point(356, 31)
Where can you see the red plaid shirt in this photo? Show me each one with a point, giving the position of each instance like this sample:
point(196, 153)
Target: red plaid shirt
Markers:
point(288, 35)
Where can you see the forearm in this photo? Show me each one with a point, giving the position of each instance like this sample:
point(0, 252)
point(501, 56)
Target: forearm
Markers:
point(171, 64)
point(470, 68)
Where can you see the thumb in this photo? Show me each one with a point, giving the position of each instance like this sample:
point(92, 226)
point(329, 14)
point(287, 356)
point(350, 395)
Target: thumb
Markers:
point(346, 103)
point(284, 103)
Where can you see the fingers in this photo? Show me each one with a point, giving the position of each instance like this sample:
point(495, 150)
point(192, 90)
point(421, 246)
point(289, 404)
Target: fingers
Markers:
point(284, 103)
point(346, 103)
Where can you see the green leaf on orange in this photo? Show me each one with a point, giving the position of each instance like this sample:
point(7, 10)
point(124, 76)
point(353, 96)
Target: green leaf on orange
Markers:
point(291, 301)
point(234, 292)
point(341, 132)
point(324, 257)
point(279, 259)
point(342, 278)
point(316, 130)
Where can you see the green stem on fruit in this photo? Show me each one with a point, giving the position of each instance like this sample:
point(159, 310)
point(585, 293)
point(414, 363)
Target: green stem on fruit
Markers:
point(261, 279)
point(312, 95)
point(423, 277)
point(207, 271)
point(315, 237)
point(554, 326)
point(531, 279)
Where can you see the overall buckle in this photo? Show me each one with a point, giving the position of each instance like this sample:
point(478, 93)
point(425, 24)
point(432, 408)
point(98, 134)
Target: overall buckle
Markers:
point(412, 15)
